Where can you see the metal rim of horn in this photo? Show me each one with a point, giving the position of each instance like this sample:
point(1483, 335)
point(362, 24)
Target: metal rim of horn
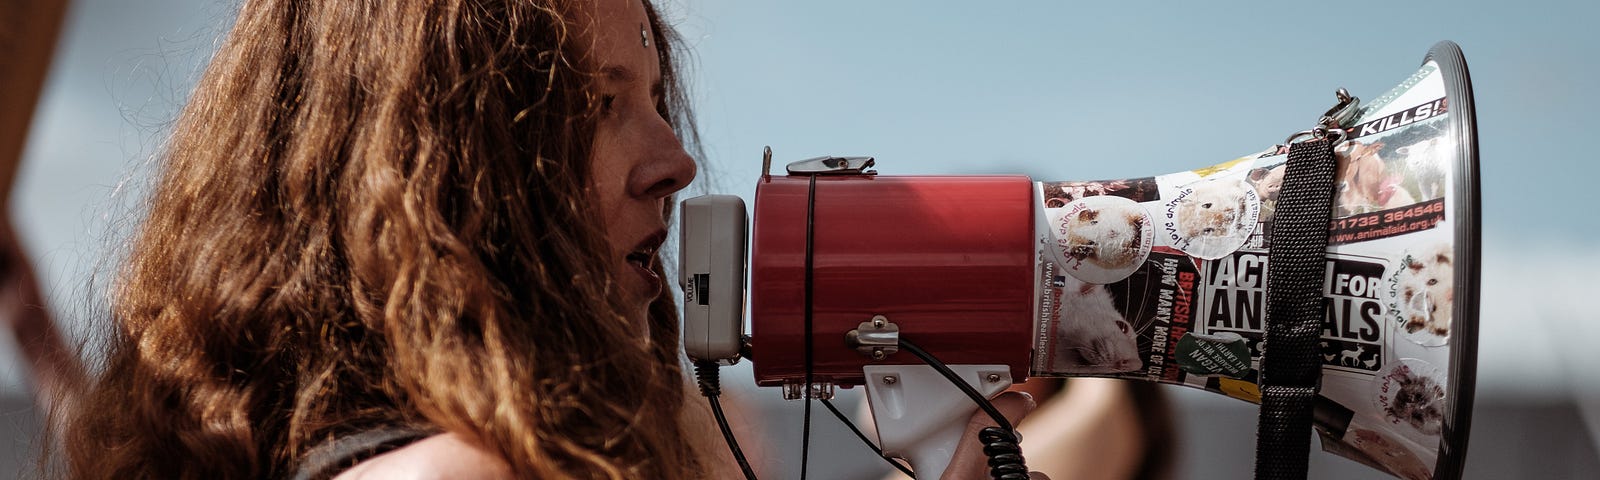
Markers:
point(1468, 234)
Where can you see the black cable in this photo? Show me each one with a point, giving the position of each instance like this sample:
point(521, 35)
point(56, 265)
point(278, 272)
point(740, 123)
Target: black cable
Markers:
point(710, 387)
point(1000, 443)
point(733, 445)
point(1005, 455)
point(959, 383)
point(805, 435)
point(805, 438)
point(897, 465)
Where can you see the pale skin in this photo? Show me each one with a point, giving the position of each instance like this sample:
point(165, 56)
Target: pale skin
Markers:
point(1089, 431)
point(638, 164)
point(28, 32)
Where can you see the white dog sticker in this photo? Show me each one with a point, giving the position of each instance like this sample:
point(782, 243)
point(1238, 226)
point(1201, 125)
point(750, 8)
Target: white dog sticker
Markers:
point(1423, 292)
point(1102, 239)
point(1212, 218)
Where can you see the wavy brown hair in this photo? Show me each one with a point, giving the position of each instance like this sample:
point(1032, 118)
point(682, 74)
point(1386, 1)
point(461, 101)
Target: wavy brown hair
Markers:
point(376, 213)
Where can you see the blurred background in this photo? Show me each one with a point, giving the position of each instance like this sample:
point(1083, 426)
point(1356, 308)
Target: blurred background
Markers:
point(1053, 90)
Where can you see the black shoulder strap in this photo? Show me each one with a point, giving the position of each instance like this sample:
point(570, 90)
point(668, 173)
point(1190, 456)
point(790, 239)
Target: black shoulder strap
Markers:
point(1291, 368)
point(336, 455)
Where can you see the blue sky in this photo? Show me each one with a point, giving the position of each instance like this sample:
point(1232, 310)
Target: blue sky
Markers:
point(1054, 90)
point(1121, 89)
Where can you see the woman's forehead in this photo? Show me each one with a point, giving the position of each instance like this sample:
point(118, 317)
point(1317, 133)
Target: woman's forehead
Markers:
point(620, 38)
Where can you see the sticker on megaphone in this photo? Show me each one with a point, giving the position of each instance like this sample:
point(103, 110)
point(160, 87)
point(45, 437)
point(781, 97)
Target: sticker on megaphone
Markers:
point(1101, 239)
point(1188, 304)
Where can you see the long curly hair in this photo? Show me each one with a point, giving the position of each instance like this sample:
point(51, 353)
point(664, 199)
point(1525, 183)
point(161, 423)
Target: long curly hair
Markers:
point(376, 213)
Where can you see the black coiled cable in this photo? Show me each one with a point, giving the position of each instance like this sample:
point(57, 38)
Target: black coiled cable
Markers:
point(1005, 455)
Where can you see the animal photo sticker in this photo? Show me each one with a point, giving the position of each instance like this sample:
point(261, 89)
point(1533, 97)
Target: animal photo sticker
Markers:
point(1422, 294)
point(1212, 218)
point(1393, 176)
point(1088, 334)
point(1410, 394)
point(1267, 181)
point(1364, 183)
point(1403, 164)
point(1423, 161)
point(1102, 239)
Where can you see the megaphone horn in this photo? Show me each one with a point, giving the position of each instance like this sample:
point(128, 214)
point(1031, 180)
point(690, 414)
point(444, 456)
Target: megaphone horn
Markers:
point(1161, 278)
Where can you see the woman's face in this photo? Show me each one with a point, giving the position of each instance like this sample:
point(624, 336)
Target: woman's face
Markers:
point(638, 160)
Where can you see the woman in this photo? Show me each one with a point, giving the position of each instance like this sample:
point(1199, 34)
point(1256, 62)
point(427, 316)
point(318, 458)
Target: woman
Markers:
point(433, 220)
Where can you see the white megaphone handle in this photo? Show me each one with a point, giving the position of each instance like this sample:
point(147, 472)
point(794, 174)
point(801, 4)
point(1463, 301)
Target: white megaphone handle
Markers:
point(921, 416)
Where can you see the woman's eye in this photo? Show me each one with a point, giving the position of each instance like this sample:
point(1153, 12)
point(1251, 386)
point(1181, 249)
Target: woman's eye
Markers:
point(607, 102)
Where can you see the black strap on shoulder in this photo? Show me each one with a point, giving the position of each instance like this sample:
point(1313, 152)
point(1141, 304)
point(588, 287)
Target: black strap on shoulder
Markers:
point(1291, 366)
point(336, 455)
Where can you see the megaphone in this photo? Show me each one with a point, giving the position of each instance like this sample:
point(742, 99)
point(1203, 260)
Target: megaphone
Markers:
point(1160, 278)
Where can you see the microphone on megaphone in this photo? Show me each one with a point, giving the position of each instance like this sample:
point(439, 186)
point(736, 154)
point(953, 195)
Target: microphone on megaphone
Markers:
point(1161, 278)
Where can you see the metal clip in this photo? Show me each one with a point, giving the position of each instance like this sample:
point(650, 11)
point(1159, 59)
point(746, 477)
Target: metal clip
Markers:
point(877, 339)
point(1342, 112)
point(1331, 124)
point(766, 162)
point(833, 166)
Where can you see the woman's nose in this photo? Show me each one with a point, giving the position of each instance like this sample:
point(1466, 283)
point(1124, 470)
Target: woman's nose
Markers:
point(665, 167)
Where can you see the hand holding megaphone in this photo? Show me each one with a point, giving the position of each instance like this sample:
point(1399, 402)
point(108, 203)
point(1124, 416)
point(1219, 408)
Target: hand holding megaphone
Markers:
point(969, 460)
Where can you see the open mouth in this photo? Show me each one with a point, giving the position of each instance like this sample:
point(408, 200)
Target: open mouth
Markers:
point(643, 258)
point(643, 255)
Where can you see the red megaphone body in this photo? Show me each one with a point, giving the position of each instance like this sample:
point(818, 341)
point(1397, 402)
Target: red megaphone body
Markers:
point(949, 259)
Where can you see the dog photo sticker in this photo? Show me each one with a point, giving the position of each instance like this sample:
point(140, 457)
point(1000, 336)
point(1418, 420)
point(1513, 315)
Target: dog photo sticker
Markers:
point(1210, 219)
point(1102, 239)
point(1422, 294)
point(1411, 394)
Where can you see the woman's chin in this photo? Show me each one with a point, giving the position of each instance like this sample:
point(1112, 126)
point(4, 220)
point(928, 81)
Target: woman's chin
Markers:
point(646, 283)
point(640, 319)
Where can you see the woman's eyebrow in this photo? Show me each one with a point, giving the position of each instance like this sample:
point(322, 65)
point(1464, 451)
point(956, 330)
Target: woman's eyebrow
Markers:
point(619, 74)
point(622, 74)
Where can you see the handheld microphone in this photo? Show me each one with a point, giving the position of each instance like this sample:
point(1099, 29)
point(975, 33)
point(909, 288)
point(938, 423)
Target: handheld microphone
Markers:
point(712, 277)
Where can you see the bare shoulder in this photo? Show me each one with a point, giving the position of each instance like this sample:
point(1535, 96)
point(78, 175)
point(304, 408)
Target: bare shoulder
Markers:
point(442, 456)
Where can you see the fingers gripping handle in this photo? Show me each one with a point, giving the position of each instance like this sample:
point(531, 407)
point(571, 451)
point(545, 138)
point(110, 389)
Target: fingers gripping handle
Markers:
point(920, 416)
